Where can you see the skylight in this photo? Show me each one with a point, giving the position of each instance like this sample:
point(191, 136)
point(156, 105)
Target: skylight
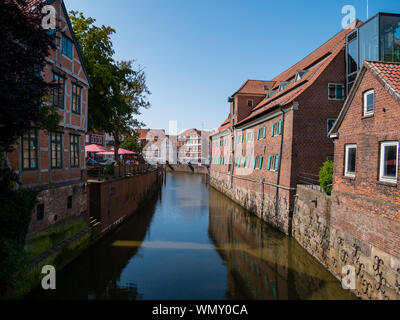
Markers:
point(283, 85)
point(300, 74)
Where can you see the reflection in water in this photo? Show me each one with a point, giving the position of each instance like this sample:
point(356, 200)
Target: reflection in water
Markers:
point(263, 263)
point(194, 243)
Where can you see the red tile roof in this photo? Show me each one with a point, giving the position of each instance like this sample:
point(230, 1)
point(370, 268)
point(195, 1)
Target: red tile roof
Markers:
point(255, 87)
point(315, 63)
point(389, 71)
point(225, 125)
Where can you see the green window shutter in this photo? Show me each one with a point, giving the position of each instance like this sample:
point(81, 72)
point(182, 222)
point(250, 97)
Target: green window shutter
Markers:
point(280, 127)
point(269, 163)
point(244, 162)
point(248, 162)
point(258, 134)
point(264, 132)
point(339, 91)
point(272, 130)
point(242, 138)
point(260, 162)
point(255, 162)
point(277, 164)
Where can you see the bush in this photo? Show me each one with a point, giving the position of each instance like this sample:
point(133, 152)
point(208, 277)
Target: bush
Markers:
point(15, 215)
point(326, 177)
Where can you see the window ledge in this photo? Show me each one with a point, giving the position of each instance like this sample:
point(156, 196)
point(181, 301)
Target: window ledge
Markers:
point(368, 116)
point(387, 183)
point(352, 178)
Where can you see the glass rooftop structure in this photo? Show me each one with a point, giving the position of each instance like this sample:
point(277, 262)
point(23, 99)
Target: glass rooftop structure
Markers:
point(376, 39)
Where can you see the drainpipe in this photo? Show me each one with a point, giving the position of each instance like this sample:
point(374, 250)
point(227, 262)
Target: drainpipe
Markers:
point(280, 160)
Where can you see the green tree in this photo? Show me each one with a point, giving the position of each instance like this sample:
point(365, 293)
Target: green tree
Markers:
point(24, 46)
point(326, 177)
point(132, 143)
point(129, 97)
point(119, 90)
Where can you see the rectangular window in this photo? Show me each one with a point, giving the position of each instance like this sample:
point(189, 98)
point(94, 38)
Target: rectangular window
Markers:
point(331, 123)
point(369, 101)
point(67, 46)
point(40, 212)
point(260, 162)
point(350, 160)
point(389, 161)
point(76, 98)
point(249, 103)
point(74, 151)
point(264, 134)
point(69, 202)
point(30, 150)
point(56, 150)
point(57, 96)
point(335, 91)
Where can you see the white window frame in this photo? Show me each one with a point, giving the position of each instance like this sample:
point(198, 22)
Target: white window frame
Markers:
point(365, 95)
point(346, 158)
point(381, 161)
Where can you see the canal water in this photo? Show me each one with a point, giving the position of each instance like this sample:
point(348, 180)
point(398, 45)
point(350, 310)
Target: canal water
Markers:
point(192, 242)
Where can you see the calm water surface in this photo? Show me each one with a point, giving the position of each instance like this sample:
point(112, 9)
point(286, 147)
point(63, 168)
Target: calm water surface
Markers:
point(192, 242)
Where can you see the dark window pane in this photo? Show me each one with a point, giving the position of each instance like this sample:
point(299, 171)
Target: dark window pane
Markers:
point(352, 57)
point(40, 212)
point(390, 161)
point(370, 102)
point(390, 38)
point(351, 160)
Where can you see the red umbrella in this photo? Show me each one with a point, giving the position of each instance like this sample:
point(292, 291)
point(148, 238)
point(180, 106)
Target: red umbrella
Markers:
point(96, 148)
point(120, 152)
point(124, 151)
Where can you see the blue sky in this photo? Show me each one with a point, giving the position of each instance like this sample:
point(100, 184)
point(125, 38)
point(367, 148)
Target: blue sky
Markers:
point(197, 53)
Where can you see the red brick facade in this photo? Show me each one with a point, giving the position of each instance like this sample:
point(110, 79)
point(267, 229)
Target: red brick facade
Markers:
point(369, 208)
point(295, 120)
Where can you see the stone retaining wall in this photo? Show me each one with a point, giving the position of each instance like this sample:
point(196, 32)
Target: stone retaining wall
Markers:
point(317, 226)
point(270, 203)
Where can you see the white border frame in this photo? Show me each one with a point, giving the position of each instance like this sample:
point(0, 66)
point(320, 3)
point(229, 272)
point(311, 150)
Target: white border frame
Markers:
point(346, 172)
point(381, 160)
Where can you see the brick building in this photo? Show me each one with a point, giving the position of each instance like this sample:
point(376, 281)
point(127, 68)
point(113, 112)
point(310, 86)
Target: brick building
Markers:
point(97, 138)
point(366, 173)
point(278, 129)
point(56, 162)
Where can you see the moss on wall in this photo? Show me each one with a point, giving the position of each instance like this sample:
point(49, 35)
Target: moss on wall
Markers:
point(52, 236)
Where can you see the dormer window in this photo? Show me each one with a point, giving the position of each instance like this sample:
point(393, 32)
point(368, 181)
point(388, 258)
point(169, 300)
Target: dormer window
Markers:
point(369, 102)
point(270, 93)
point(283, 85)
point(300, 74)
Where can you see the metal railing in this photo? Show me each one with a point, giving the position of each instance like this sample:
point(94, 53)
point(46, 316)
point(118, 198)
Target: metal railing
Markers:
point(309, 179)
point(112, 172)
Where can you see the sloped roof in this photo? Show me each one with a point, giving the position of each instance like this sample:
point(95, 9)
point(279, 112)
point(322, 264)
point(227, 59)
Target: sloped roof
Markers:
point(315, 63)
point(388, 73)
point(225, 125)
point(255, 87)
point(32, 4)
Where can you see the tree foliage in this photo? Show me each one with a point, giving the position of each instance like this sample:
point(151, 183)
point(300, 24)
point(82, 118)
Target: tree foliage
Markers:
point(326, 177)
point(132, 143)
point(24, 46)
point(119, 90)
